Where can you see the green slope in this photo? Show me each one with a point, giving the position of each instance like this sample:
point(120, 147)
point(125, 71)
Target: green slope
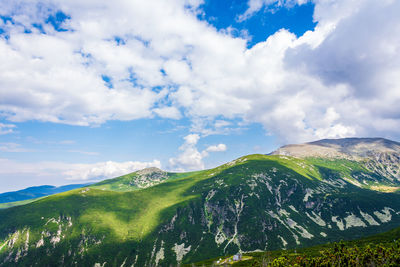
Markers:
point(255, 202)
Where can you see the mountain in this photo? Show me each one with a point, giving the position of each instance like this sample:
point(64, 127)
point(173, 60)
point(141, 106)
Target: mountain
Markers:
point(376, 155)
point(256, 202)
point(35, 192)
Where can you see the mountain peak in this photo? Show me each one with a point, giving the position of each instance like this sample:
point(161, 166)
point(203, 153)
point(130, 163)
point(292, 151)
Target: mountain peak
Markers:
point(150, 170)
point(349, 148)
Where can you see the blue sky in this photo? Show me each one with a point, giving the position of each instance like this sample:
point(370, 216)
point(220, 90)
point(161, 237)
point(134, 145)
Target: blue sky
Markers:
point(93, 90)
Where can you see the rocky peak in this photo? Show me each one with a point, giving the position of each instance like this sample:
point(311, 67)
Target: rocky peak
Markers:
point(349, 148)
point(149, 177)
point(150, 170)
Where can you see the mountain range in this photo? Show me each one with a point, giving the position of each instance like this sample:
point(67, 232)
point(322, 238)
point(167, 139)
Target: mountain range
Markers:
point(36, 191)
point(297, 196)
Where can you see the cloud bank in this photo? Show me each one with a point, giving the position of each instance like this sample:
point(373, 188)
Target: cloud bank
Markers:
point(86, 62)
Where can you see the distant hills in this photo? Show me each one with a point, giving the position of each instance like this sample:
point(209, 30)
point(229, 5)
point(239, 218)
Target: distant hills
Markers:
point(36, 191)
point(299, 196)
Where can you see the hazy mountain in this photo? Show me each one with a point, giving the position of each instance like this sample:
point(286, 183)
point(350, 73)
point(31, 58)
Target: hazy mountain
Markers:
point(257, 202)
point(36, 191)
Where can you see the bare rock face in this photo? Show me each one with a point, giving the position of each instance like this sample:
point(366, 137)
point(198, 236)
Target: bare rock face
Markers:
point(385, 164)
point(149, 177)
point(149, 171)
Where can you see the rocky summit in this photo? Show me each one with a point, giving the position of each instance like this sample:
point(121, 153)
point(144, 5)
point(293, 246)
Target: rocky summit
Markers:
point(348, 148)
point(298, 196)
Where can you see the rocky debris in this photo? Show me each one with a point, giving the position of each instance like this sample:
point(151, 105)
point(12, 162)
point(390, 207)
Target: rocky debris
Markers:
point(384, 215)
point(160, 254)
point(180, 251)
point(338, 222)
point(368, 218)
point(353, 221)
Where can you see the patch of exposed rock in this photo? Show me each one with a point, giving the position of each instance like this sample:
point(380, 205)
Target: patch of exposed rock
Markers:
point(149, 177)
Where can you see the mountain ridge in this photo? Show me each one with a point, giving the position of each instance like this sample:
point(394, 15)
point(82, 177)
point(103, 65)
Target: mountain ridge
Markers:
point(36, 191)
point(350, 148)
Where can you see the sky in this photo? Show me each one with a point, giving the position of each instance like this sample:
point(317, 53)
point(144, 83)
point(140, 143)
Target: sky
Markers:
point(95, 89)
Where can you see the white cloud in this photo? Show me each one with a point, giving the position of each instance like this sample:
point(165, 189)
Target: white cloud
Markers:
point(6, 128)
point(338, 80)
point(216, 148)
point(191, 158)
point(168, 112)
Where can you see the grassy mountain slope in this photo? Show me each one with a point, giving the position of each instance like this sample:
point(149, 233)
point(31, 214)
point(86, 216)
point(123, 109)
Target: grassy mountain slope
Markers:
point(255, 202)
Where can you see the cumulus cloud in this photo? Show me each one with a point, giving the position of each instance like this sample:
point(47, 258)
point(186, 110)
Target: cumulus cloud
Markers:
point(216, 148)
point(137, 59)
point(191, 158)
